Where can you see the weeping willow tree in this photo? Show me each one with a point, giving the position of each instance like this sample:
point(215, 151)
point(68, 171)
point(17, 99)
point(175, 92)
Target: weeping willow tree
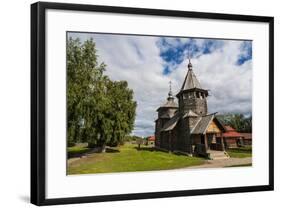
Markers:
point(122, 111)
point(99, 111)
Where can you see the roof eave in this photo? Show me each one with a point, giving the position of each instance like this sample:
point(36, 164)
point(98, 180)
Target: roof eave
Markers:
point(173, 107)
point(192, 90)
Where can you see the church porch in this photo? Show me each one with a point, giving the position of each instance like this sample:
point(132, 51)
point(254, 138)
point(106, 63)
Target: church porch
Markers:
point(207, 143)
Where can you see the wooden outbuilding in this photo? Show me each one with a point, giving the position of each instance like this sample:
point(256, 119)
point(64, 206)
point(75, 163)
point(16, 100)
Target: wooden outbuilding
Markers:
point(151, 140)
point(231, 138)
point(247, 138)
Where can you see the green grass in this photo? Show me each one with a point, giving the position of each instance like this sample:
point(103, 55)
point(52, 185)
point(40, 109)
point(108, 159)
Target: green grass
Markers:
point(76, 151)
point(127, 158)
point(240, 152)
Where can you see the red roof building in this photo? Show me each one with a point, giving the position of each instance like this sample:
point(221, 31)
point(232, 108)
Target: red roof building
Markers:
point(231, 132)
point(247, 138)
point(231, 137)
point(151, 138)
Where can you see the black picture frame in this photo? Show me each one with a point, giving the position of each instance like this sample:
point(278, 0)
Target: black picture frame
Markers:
point(38, 100)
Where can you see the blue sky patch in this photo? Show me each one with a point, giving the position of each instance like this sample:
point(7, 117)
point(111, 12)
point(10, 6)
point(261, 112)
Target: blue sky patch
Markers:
point(166, 70)
point(171, 50)
point(211, 45)
point(174, 51)
point(246, 52)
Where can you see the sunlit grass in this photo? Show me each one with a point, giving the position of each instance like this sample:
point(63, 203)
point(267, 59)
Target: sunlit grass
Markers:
point(128, 158)
point(240, 152)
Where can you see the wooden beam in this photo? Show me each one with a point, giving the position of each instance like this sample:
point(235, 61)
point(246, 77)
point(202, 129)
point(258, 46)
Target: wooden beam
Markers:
point(206, 142)
point(170, 142)
point(222, 143)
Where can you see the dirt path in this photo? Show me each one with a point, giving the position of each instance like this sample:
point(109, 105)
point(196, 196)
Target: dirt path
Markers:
point(223, 163)
point(71, 160)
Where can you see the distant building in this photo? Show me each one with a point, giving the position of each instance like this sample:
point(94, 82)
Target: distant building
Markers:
point(247, 138)
point(187, 127)
point(231, 138)
point(151, 140)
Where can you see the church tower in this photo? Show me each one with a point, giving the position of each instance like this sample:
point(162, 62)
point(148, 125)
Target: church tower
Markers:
point(192, 97)
point(169, 109)
point(165, 113)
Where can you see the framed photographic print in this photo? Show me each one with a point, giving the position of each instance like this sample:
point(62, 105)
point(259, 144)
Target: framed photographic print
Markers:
point(134, 103)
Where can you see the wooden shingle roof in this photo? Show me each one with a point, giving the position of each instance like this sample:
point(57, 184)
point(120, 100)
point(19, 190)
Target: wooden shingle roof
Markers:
point(190, 81)
point(204, 122)
point(171, 123)
point(169, 104)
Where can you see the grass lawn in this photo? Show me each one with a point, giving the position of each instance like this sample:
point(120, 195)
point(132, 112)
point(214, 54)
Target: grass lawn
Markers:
point(240, 152)
point(127, 158)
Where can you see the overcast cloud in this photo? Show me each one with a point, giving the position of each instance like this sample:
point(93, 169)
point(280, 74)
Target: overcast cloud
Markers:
point(148, 64)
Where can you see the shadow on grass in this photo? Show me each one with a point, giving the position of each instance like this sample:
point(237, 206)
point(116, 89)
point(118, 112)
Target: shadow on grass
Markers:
point(153, 149)
point(150, 149)
point(79, 153)
point(89, 151)
point(111, 150)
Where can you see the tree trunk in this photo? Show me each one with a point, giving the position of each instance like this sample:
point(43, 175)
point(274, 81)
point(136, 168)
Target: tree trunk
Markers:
point(103, 149)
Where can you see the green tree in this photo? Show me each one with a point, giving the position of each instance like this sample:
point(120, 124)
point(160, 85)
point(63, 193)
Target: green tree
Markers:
point(237, 121)
point(83, 73)
point(100, 111)
point(122, 114)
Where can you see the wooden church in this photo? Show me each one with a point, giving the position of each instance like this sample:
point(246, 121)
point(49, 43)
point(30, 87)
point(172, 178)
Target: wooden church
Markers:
point(187, 127)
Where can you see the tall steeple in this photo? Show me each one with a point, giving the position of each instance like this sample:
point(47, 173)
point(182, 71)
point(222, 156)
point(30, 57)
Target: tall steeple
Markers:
point(189, 64)
point(190, 81)
point(170, 94)
point(192, 97)
point(170, 106)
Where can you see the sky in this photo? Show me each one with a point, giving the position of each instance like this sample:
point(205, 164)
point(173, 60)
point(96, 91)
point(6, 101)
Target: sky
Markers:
point(149, 63)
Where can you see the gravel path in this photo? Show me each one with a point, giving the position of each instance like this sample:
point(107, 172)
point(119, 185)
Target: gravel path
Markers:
point(223, 163)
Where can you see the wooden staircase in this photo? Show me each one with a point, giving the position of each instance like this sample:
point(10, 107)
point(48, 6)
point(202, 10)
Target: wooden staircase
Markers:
point(217, 155)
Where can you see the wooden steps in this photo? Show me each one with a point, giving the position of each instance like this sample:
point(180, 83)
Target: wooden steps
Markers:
point(217, 155)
